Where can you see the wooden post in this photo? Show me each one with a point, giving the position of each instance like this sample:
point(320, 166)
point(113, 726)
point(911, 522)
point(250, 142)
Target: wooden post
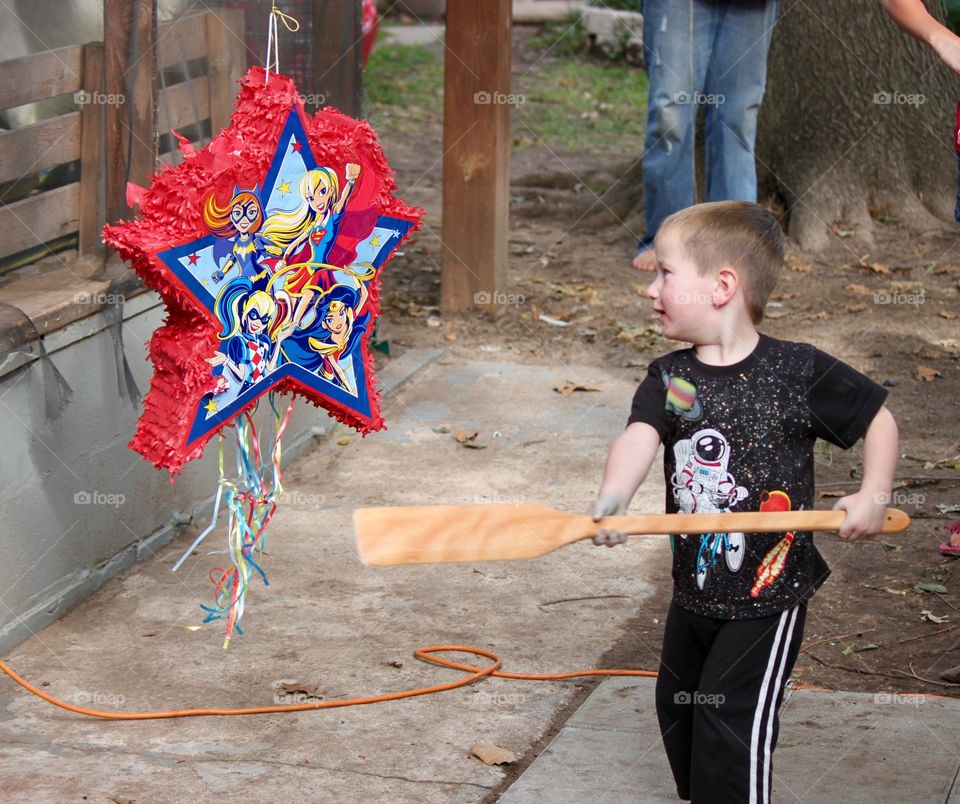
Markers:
point(91, 153)
point(227, 59)
point(337, 52)
point(129, 36)
point(476, 147)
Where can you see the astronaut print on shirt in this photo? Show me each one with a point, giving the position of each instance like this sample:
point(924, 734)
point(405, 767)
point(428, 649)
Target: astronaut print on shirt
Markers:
point(702, 485)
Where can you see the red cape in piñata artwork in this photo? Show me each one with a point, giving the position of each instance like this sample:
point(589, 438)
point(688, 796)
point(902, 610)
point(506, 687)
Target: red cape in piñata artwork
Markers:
point(267, 248)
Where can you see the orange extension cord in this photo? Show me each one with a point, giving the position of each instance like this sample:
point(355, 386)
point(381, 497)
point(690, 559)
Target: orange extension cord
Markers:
point(426, 654)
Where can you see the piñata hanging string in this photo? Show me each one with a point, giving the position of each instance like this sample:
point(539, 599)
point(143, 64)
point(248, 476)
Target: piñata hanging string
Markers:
point(292, 24)
point(251, 501)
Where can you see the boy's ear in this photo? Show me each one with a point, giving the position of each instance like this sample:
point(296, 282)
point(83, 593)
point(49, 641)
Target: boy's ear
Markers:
point(726, 285)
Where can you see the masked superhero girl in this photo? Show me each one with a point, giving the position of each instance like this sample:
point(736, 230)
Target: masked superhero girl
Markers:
point(240, 245)
point(315, 224)
point(253, 327)
point(334, 334)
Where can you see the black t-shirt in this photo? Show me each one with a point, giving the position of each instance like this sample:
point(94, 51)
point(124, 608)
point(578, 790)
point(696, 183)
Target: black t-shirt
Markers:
point(741, 437)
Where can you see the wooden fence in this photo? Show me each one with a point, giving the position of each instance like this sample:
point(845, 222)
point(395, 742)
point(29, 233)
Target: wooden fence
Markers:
point(199, 58)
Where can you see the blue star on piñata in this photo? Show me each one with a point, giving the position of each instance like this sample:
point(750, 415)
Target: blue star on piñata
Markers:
point(286, 273)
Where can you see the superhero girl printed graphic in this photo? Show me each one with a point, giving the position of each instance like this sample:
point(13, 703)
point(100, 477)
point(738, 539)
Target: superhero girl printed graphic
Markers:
point(702, 484)
point(313, 224)
point(254, 325)
point(286, 269)
point(240, 245)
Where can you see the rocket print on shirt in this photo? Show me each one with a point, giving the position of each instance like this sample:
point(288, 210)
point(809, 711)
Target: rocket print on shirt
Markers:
point(773, 562)
point(702, 484)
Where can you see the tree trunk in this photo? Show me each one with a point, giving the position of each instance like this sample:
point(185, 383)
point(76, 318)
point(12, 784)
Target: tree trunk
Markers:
point(856, 123)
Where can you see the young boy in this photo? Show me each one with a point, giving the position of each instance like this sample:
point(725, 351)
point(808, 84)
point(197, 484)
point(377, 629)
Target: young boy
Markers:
point(738, 415)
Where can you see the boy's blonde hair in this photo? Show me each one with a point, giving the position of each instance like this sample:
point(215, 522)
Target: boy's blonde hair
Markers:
point(738, 234)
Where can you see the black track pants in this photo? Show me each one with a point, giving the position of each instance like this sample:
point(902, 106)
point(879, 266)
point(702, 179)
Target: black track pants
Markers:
point(719, 690)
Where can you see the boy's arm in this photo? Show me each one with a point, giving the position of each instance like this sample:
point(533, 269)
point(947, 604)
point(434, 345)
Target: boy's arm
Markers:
point(865, 508)
point(913, 17)
point(628, 464)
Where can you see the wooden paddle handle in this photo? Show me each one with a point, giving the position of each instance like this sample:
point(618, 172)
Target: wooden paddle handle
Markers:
point(894, 521)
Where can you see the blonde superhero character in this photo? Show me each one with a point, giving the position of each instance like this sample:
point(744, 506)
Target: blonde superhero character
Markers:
point(313, 224)
point(253, 327)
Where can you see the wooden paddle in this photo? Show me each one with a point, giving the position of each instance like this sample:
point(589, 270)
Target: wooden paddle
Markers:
point(434, 534)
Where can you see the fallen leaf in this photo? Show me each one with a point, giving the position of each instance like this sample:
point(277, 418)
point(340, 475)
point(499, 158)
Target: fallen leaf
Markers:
point(299, 691)
point(943, 508)
point(863, 290)
point(936, 588)
point(464, 438)
point(777, 313)
point(850, 649)
point(894, 591)
point(929, 615)
point(492, 754)
point(801, 267)
point(570, 386)
point(878, 267)
point(856, 308)
point(948, 314)
point(948, 463)
point(931, 354)
point(342, 442)
point(926, 374)
point(891, 546)
point(441, 429)
point(555, 322)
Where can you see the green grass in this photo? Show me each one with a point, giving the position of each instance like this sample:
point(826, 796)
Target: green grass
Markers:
point(570, 103)
point(576, 104)
point(404, 81)
point(562, 38)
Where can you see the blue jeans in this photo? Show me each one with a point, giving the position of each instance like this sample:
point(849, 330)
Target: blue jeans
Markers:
point(714, 53)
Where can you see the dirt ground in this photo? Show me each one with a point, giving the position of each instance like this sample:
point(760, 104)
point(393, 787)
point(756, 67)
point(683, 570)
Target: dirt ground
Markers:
point(891, 309)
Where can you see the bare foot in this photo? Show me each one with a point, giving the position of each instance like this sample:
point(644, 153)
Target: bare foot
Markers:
point(646, 260)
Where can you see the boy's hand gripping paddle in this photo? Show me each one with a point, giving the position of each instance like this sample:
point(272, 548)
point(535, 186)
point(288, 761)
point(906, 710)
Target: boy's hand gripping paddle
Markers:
point(434, 534)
